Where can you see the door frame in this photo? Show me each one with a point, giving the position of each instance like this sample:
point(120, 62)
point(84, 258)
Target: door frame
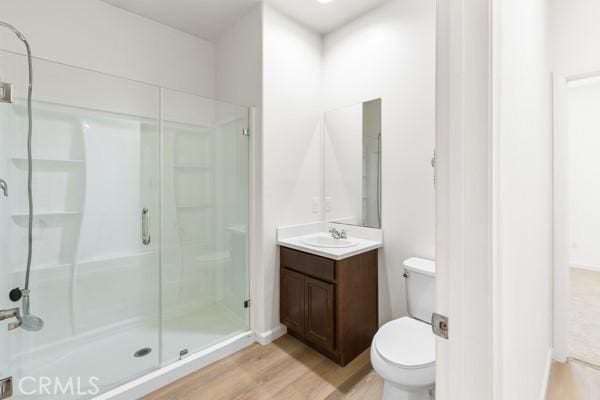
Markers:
point(561, 235)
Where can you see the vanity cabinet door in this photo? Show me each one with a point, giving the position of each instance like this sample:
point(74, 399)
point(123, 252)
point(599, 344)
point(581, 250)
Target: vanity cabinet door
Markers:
point(292, 300)
point(319, 313)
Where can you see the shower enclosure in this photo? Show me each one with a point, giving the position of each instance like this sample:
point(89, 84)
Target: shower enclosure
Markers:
point(140, 231)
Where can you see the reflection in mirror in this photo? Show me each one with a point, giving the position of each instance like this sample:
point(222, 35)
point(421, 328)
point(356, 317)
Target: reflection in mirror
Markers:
point(352, 164)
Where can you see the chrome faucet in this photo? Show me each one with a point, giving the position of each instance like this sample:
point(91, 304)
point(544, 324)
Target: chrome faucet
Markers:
point(12, 313)
point(4, 187)
point(337, 234)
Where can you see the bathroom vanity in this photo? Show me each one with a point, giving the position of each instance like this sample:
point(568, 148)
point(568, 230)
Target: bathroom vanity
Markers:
point(328, 269)
point(330, 304)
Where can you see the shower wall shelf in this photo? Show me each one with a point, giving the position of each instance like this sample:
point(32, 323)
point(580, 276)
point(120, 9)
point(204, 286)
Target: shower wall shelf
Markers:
point(192, 166)
point(46, 214)
point(188, 126)
point(18, 161)
point(43, 267)
point(194, 207)
point(116, 262)
point(231, 119)
point(192, 242)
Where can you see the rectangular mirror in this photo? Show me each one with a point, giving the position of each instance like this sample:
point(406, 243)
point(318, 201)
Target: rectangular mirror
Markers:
point(352, 164)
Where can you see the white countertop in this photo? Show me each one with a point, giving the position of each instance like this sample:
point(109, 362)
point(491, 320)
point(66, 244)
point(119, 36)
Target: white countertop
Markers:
point(362, 244)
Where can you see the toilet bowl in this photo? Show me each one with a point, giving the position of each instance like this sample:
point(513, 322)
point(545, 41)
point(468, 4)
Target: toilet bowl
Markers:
point(403, 354)
point(403, 350)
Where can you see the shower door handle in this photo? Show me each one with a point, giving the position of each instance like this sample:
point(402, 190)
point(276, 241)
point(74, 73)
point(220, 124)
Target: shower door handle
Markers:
point(146, 226)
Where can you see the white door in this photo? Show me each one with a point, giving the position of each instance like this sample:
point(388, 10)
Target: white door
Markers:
point(464, 211)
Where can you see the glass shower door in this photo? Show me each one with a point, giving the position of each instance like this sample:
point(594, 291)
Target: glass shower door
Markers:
point(95, 271)
point(205, 273)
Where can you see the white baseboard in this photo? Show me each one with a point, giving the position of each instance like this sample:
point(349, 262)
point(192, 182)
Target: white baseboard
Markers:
point(546, 378)
point(269, 336)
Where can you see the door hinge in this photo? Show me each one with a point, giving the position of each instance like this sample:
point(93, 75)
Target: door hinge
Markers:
point(439, 325)
point(247, 303)
point(6, 388)
point(6, 92)
point(246, 132)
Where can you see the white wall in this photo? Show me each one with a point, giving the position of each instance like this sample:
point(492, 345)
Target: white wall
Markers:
point(291, 141)
point(584, 175)
point(523, 196)
point(92, 34)
point(575, 34)
point(390, 54)
point(296, 73)
point(238, 59)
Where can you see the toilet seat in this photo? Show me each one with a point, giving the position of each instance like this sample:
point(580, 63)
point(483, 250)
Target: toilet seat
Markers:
point(406, 343)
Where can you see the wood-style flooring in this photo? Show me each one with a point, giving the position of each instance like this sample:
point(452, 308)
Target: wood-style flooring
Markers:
point(584, 316)
point(573, 381)
point(285, 369)
point(288, 369)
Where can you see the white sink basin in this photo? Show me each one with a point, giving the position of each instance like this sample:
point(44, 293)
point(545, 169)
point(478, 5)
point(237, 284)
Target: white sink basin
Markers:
point(324, 240)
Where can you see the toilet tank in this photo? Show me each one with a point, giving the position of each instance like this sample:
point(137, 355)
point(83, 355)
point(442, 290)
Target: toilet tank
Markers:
point(420, 288)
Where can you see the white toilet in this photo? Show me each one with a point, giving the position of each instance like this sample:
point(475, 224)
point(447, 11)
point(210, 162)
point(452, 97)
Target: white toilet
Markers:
point(403, 350)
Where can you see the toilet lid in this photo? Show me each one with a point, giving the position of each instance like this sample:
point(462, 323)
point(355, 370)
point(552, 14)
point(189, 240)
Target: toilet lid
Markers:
point(406, 342)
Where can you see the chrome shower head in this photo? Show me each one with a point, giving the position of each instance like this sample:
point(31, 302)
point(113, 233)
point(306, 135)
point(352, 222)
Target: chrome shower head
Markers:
point(32, 323)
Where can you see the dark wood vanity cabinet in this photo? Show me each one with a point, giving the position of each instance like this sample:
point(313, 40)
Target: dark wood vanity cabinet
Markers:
point(330, 305)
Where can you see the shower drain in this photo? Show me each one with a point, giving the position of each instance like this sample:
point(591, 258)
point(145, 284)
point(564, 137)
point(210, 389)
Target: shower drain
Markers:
point(142, 352)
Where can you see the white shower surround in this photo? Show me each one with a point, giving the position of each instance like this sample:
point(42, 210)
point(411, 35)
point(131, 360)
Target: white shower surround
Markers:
point(91, 179)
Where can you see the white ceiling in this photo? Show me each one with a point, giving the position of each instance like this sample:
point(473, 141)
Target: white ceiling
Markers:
point(208, 18)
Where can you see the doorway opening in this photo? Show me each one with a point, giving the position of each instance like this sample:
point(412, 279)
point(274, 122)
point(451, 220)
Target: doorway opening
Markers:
point(577, 218)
